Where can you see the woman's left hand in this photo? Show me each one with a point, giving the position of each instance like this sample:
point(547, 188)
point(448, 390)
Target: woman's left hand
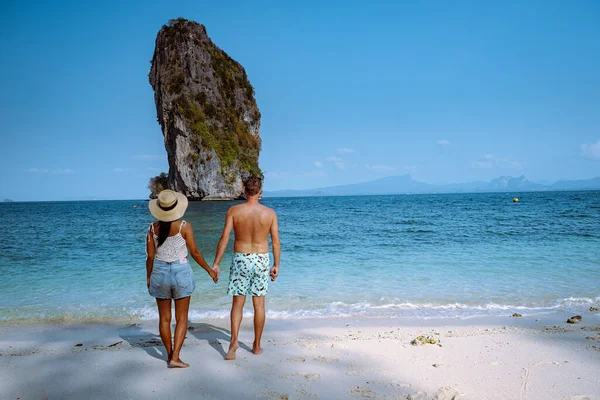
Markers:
point(148, 282)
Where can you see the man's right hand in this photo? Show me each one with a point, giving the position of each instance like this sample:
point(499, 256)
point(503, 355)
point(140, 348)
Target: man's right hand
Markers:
point(274, 272)
point(217, 272)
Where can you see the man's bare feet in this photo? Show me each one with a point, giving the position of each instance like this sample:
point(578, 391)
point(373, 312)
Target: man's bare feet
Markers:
point(232, 349)
point(256, 349)
point(178, 364)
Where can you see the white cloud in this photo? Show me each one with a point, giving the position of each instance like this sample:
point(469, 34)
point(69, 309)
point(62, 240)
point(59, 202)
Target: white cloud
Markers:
point(489, 161)
point(443, 142)
point(337, 161)
point(380, 168)
point(345, 150)
point(58, 171)
point(591, 150)
point(150, 157)
point(318, 164)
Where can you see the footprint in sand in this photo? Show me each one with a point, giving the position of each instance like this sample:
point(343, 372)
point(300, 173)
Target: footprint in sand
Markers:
point(309, 376)
point(353, 370)
point(326, 360)
point(296, 359)
point(446, 394)
point(312, 377)
point(585, 397)
point(418, 396)
point(305, 394)
point(362, 391)
point(272, 395)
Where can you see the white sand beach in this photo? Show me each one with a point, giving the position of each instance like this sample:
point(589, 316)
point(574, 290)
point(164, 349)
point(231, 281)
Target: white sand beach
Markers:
point(538, 357)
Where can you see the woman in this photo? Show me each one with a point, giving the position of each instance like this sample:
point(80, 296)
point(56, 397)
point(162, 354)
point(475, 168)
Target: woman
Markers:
point(170, 276)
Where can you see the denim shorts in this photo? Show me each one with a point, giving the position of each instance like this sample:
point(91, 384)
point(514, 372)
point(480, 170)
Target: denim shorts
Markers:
point(171, 280)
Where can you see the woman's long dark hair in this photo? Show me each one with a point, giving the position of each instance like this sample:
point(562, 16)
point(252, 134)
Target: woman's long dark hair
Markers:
point(163, 231)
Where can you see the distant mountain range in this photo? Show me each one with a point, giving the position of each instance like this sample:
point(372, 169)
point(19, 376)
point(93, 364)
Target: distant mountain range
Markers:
point(406, 184)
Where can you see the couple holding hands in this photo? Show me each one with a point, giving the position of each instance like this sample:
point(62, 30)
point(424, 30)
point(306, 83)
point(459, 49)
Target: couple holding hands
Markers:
point(170, 276)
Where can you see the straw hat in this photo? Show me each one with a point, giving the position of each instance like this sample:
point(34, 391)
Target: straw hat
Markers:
point(169, 206)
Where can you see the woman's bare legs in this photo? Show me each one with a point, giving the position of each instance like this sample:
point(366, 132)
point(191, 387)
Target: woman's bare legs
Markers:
point(182, 307)
point(164, 324)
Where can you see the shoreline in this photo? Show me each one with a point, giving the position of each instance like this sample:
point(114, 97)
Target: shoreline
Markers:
point(356, 358)
point(285, 317)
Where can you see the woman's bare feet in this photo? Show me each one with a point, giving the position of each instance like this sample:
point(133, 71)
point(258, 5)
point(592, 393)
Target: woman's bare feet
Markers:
point(232, 349)
point(178, 364)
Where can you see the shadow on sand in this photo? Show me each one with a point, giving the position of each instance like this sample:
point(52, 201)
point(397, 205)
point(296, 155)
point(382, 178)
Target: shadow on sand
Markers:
point(151, 343)
point(214, 335)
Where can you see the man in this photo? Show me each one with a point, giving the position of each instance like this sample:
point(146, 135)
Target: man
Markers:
point(252, 223)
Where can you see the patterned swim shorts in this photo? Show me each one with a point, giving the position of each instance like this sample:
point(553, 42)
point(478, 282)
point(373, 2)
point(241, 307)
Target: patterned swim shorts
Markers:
point(249, 275)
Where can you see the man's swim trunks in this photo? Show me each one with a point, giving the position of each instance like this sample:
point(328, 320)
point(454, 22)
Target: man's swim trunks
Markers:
point(249, 275)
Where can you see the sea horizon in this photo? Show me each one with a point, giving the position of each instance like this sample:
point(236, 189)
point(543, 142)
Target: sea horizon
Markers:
point(313, 195)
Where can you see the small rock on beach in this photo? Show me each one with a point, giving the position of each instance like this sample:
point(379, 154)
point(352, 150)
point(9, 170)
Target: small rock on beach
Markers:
point(422, 340)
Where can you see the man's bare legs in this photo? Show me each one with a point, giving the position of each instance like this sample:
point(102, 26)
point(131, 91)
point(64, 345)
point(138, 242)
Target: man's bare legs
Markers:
point(164, 325)
point(237, 312)
point(181, 316)
point(259, 322)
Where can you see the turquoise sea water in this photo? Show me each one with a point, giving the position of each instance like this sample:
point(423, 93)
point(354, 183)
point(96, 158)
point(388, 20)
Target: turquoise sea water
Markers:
point(382, 256)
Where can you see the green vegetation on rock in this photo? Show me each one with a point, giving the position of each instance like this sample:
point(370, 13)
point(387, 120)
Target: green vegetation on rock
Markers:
point(224, 133)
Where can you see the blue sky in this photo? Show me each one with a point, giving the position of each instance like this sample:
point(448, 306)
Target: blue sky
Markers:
point(349, 91)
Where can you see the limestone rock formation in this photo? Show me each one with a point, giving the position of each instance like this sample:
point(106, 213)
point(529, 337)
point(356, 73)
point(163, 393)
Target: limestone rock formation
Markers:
point(206, 109)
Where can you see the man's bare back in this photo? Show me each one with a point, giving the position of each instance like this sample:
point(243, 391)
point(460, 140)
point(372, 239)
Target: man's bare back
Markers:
point(252, 224)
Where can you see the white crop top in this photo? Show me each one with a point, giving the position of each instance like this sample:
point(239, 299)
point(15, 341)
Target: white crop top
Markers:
point(173, 248)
